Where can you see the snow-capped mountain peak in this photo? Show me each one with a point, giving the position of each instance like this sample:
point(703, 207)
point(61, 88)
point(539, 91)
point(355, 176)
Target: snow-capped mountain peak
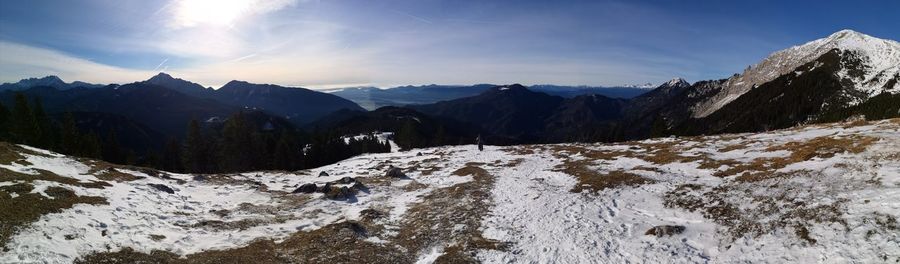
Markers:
point(677, 82)
point(880, 61)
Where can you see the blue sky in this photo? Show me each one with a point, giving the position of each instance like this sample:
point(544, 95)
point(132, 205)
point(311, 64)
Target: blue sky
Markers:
point(331, 43)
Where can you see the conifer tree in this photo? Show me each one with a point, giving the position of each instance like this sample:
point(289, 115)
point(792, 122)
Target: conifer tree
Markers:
point(287, 152)
point(4, 122)
point(44, 136)
point(236, 140)
point(440, 136)
point(171, 157)
point(24, 127)
point(407, 137)
point(658, 128)
point(70, 136)
point(112, 151)
point(89, 146)
point(196, 155)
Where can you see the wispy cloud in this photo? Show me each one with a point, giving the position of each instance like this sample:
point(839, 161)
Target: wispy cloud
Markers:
point(322, 43)
point(192, 13)
point(161, 64)
point(19, 61)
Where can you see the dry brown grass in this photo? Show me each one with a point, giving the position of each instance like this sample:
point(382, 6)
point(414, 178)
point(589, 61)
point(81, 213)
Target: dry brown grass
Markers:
point(855, 123)
point(715, 164)
point(513, 163)
point(9, 176)
point(767, 175)
point(763, 168)
point(825, 147)
point(9, 154)
point(111, 174)
point(521, 150)
point(895, 121)
point(664, 153)
point(451, 218)
point(565, 152)
point(768, 213)
point(593, 181)
point(342, 242)
point(732, 147)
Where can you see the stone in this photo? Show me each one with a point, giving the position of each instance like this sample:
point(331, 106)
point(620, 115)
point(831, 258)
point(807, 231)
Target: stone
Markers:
point(306, 188)
point(665, 230)
point(395, 172)
point(162, 188)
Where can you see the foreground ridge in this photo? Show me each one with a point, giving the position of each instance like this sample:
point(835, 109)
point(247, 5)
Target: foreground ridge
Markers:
point(819, 193)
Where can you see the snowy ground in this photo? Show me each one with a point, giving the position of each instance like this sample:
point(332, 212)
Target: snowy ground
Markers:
point(816, 194)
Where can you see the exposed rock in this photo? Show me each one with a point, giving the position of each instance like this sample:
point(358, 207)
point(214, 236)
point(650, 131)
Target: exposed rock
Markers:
point(371, 214)
point(323, 174)
point(395, 172)
point(345, 180)
point(200, 177)
point(665, 230)
point(324, 188)
point(359, 186)
point(340, 193)
point(306, 188)
point(162, 188)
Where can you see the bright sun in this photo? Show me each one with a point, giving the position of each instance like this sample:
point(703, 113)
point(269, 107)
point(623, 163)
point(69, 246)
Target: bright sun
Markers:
point(212, 12)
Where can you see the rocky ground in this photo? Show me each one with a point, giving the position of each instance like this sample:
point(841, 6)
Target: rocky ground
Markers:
point(822, 193)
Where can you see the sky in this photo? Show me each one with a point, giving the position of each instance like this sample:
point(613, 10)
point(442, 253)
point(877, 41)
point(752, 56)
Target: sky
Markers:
point(335, 43)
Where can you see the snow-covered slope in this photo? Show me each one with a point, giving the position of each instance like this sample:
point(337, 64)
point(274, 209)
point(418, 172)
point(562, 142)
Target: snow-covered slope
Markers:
point(814, 194)
point(880, 63)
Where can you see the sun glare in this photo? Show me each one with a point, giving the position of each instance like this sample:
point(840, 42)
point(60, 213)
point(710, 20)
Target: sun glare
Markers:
point(212, 12)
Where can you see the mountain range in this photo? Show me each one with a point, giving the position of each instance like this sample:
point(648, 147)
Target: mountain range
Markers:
point(372, 98)
point(48, 81)
point(827, 79)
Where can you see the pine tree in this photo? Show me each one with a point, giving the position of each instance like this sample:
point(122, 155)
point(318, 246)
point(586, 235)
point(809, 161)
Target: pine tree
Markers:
point(195, 150)
point(236, 141)
point(24, 127)
point(70, 135)
point(407, 137)
point(171, 157)
point(4, 122)
point(89, 146)
point(439, 136)
point(44, 136)
point(287, 152)
point(112, 151)
point(658, 128)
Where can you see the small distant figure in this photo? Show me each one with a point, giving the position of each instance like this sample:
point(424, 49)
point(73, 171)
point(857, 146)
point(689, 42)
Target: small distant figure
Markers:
point(480, 143)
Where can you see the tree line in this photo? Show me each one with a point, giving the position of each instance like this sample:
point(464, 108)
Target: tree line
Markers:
point(239, 145)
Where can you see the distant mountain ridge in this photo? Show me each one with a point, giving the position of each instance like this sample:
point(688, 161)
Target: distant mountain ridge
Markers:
point(166, 104)
point(513, 113)
point(840, 75)
point(49, 81)
point(373, 98)
point(823, 80)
